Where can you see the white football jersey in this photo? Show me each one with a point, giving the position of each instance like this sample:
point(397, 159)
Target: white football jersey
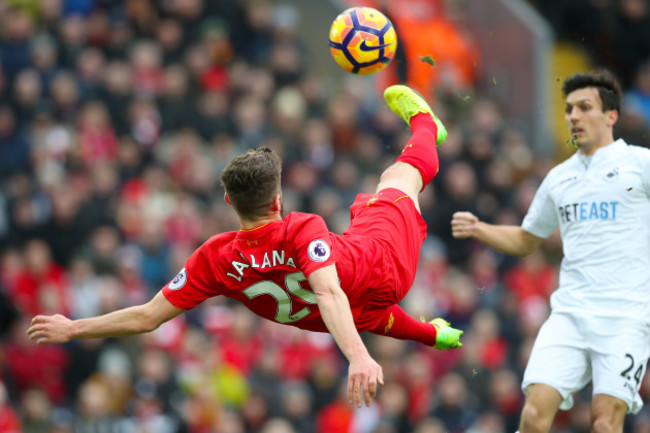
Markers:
point(602, 206)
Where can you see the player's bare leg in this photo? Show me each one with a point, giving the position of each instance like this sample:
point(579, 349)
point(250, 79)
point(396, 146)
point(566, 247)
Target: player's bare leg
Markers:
point(404, 177)
point(418, 163)
point(607, 414)
point(541, 405)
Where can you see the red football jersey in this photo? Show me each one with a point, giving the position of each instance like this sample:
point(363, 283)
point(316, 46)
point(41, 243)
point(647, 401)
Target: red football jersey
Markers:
point(266, 268)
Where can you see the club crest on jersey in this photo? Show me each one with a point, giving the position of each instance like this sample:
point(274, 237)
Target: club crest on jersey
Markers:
point(612, 175)
point(318, 250)
point(179, 280)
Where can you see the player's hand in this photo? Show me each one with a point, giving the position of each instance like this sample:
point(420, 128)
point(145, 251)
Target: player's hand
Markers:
point(463, 224)
point(364, 377)
point(446, 336)
point(50, 329)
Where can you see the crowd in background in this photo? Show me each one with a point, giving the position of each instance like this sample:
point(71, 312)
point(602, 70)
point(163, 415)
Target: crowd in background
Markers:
point(613, 34)
point(116, 119)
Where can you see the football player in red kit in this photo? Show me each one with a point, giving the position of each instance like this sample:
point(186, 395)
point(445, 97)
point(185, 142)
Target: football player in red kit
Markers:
point(293, 271)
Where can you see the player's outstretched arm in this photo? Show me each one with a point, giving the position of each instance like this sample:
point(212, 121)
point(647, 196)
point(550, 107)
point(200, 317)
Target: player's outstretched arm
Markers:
point(364, 374)
point(512, 240)
point(128, 321)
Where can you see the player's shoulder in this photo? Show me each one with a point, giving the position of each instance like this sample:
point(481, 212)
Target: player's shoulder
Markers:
point(304, 225)
point(299, 218)
point(639, 151)
point(219, 240)
point(203, 257)
point(563, 169)
point(631, 155)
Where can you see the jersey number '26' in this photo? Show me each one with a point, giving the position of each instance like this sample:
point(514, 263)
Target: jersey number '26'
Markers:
point(292, 283)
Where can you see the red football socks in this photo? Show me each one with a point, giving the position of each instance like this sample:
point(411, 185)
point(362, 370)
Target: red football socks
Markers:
point(421, 151)
point(398, 324)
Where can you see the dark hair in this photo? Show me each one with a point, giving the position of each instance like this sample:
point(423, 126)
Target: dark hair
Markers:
point(609, 89)
point(252, 180)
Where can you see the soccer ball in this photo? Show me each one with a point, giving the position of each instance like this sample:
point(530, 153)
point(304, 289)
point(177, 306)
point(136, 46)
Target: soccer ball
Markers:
point(362, 40)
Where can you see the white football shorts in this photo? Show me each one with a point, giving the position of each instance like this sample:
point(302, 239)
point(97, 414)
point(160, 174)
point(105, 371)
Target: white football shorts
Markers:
point(570, 350)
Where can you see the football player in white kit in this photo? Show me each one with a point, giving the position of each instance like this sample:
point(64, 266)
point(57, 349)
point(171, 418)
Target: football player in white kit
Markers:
point(599, 326)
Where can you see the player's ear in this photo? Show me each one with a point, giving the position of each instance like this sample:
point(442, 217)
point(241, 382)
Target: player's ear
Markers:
point(227, 199)
point(611, 117)
point(276, 205)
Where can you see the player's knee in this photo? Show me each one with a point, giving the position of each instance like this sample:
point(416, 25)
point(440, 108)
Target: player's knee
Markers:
point(394, 172)
point(605, 424)
point(402, 176)
point(607, 414)
point(533, 419)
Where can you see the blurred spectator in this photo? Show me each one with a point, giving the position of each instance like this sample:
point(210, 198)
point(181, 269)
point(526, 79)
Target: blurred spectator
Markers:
point(491, 347)
point(50, 11)
point(65, 97)
point(504, 395)
point(637, 99)
point(91, 65)
point(632, 39)
point(241, 347)
point(26, 97)
point(14, 144)
point(144, 122)
point(154, 258)
point(97, 140)
point(36, 367)
point(9, 421)
point(36, 411)
point(611, 32)
point(278, 425)
point(100, 195)
point(394, 402)
point(18, 30)
point(93, 409)
point(148, 76)
point(265, 380)
point(143, 17)
point(296, 406)
point(104, 249)
point(430, 425)
point(117, 94)
point(8, 312)
point(455, 408)
point(65, 231)
point(255, 412)
point(42, 287)
point(170, 36)
point(84, 362)
point(460, 187)
point(155, 378)
point(488, 422)
point(418, 380)
point(176, 109)
point(216, 43)
point(337, 416)
point(2, 80)
point(531, 276)
point(212, 119)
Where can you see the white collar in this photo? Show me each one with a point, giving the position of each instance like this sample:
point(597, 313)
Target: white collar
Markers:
point(602, 152)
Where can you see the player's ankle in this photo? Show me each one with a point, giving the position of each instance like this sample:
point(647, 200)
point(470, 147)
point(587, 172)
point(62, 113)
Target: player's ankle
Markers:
point(420, 120)
point(424, 121)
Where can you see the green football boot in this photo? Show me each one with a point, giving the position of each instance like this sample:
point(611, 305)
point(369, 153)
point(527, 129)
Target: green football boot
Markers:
point(447, 337)
point(406, 103)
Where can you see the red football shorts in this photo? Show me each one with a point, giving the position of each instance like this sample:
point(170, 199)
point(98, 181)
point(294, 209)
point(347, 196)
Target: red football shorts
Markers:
point(390, 220)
